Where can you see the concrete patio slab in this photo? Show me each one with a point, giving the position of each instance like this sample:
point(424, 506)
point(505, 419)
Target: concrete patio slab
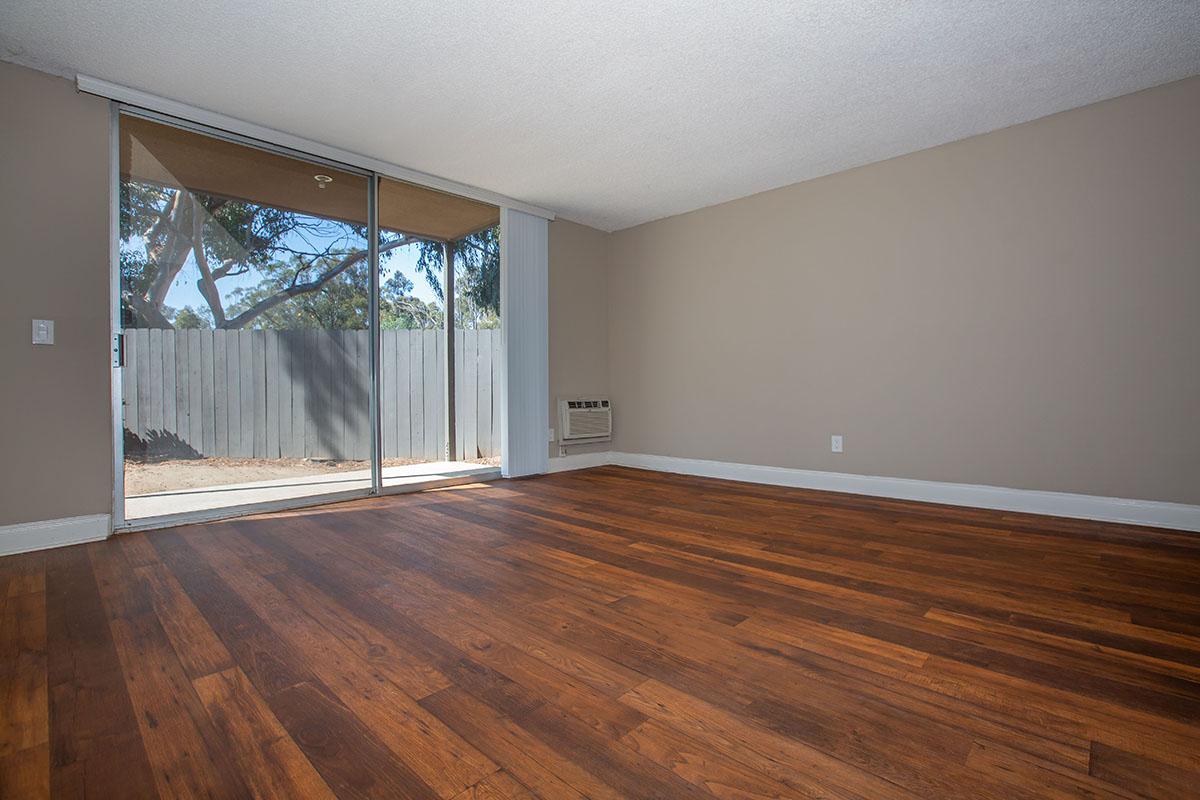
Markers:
point(273, 492)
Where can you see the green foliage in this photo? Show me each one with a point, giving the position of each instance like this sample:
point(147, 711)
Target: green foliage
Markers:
point(477, 273)
point(188, 318)
point(399, 309)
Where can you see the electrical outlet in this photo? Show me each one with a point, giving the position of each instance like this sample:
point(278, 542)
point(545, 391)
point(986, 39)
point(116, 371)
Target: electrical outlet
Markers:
point(835, 443)
point(43, 331)
point(550, 434)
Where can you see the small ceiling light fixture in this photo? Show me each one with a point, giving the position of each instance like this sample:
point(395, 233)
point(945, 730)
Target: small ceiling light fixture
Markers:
point(322, 180)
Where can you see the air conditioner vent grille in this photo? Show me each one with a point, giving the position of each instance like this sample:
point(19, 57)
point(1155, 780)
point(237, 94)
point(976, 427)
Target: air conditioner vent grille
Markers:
point(585, 418)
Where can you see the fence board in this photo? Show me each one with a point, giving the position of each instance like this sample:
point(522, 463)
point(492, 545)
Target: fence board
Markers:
point(438, 398)
point(283, 394)
point(497, 387)
point(468, 390)
point(233, 400)
point(196, 418)
point(220, 393)
point(349, 409)
point(289, 386)
point(387, 392)
point(233, 394)
point(337, 378)
point(334, 378)
point(142, 340)
point(154, 417)
point(246, 392)
point(359, 421)
point(342, 395)
point(271, 404)
point(432, 390)
point(403, 396)
point(258, 431)
point(483, 395)
point(460, 412)
point(208, 394)
point(129, 386)
point(168, 387)
point(182, 427)
point(416, 394)
point(323, 381)
point(316, 436)
point(358, 398)
point(312, 392)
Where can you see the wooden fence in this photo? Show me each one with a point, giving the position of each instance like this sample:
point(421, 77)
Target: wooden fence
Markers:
point(305, 393)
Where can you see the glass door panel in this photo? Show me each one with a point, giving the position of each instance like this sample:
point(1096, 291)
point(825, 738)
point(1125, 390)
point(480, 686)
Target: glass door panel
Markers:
point(245, 305)
point(476, 260)
point(438, 386)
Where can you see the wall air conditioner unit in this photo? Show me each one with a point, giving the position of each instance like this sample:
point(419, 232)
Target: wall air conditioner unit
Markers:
point(585, 419)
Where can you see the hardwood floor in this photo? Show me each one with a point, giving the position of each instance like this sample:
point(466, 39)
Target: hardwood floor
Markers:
point(607, 634)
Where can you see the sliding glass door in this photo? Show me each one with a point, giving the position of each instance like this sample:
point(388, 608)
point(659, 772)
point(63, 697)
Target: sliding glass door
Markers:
point(439, 276)
point(476, 270)
point(245, 304)
point(250, 354)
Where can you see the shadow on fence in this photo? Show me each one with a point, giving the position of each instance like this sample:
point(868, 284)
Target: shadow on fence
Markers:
point(157, 446)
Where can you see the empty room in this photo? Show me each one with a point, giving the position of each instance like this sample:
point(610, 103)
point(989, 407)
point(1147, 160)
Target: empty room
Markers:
point(463, 401)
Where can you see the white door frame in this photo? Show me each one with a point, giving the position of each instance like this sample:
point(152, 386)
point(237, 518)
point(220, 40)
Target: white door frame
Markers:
point(116, 333)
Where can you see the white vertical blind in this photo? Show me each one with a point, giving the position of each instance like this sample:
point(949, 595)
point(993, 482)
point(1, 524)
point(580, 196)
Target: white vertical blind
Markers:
point(524, 332)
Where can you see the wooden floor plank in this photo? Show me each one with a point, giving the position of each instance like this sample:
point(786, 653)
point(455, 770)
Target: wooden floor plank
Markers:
point(23, 690)
point(26, 773)
point(535, 763)
point(95, 745)
point(608, 633)
point(1140, 774)
point(720, 775)
point(271, 763)
point(497, 786)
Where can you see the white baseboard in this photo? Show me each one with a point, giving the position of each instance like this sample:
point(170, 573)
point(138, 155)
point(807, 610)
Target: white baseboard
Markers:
point(25, 537)
point(579, 461)
point(1176, 516)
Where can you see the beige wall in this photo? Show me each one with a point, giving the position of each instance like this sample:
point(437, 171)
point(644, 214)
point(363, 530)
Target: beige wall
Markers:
point(1018, 309)
point(578, 317)
point(54, 405)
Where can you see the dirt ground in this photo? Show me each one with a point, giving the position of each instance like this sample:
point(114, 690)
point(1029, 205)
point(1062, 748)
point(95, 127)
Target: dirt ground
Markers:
point(148, 477)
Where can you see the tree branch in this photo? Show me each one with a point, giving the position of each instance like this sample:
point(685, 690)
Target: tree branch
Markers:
point(295, 289)
point(226, 266)
point(487, 251)
point(173, 255)
point(164, 219)
point(207, 283)
point(150, 314)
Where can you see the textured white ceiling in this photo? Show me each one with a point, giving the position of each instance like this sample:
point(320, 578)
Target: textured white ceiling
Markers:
point(619, 112)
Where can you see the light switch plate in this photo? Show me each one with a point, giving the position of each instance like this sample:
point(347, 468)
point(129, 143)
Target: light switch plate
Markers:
point(43, 331)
